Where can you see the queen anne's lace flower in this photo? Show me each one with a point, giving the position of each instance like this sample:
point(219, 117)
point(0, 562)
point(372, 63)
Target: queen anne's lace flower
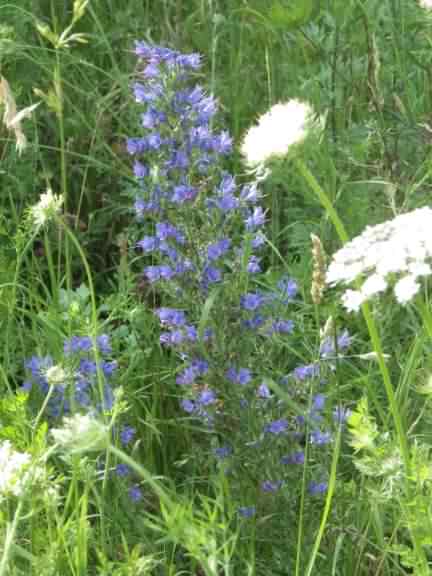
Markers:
point(399, 249)
point(81, 433)
point(426, 4)
point(277, 130)
point(12, 467)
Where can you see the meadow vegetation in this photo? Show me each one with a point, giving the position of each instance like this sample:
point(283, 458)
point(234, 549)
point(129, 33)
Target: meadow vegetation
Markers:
point(215, 253)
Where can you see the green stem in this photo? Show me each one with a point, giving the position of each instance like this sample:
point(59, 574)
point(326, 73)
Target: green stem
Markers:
point(327, 506)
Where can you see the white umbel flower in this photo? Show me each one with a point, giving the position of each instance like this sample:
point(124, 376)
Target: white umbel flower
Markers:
point(277, 130)
point(426, 4)
point(49, 204)
point(397, 253)
point(81, 433)
point(13, 466)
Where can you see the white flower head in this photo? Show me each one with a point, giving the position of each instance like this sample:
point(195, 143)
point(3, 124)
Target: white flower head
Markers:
point(55, 375)
point(81, 433)
point(395, 253)
point(48, 205)
point(13, 467)
point(426, 4)
point(284, 125)
point(406, 288)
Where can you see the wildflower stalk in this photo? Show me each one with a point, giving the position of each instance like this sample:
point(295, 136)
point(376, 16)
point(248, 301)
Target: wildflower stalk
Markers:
point(327, 505)
point(302, 503)
point(376, 342)
point(94, 315)
point(51, 270)
point(323, 198)
point(10, 534)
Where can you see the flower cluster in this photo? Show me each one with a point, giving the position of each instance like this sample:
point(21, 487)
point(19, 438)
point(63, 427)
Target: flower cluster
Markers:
point(79, 390)
point(49, 204)
point(81, 433)
point(283, 126)
point(14, 470)
point(395, 253)
point(202, 242)
point(77, 382)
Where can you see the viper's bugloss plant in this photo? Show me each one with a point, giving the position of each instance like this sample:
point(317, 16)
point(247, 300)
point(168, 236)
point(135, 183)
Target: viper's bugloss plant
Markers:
point(75, 394)
point(202, 237)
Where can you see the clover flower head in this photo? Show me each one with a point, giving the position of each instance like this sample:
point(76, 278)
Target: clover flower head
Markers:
point(49, 204)
point(400, 248)
point(277, 130)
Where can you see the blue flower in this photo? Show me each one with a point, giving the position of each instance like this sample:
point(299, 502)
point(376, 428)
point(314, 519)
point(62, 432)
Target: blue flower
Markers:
point(282, 327)
point(255, 219)
point(211, 275)
point(271, 486)
point(165, 230)
point(136, 145)
point(320, 438)
point(127, 434)
point(218, 249)
point(201, 366)
point(258, 240)
point(151, 70)
point(255, 322)
point(294, 458)
point(241, 376)
point(122, 470)
point(188, 406)
point(222, 144)
point(287, 288)
point(318, 487)
point(328, 348)
point(77, 344)
point(264, 391)
point(206, 397)
point(222, 452)
point(135, 493)
point(318, 402)
point(148, 243)
point(250, 193)
point(155, 273)
point(253, 266)
point(171, 316)
point(277, 426)
point(140, 170)
point(141, 207)
point(247, 511)
point(187, 377)
point(252, 301)
point(307, 371)
point(183, 193)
